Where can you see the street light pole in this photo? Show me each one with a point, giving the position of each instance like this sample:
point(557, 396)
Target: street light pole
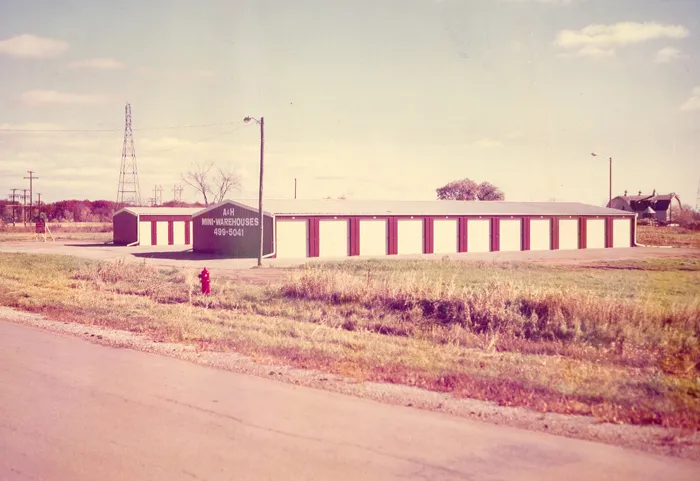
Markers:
point(260, 122)
point(610, 187)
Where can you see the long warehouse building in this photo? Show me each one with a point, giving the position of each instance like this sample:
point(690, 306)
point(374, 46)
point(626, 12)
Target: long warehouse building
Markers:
point(341, 228)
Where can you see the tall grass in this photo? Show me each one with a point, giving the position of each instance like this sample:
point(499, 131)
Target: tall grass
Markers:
point(512, 311)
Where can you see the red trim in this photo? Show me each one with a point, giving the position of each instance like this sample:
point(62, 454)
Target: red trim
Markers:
point(393, 236)
point(354, 237)
point(171, 233)
point(154, 233)
point(554, 226)
point(428, 235)
point(525, 232)
point(187, 233)
point(582, 232)
point(633, 230)
point(313, 244)
point(462, 245)
point(609, 232)
point(495, 234)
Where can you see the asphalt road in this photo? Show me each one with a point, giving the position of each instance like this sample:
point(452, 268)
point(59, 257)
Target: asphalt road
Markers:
point(72, 410)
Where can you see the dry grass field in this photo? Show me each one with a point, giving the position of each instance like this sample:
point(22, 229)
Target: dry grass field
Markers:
point(667, 236)
point(618, 341)
point(78, 231)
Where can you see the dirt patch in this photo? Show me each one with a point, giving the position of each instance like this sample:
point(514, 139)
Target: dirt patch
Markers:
point(653, 439)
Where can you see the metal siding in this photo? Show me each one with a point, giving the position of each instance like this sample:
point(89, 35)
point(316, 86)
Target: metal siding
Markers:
point(292, 239)
point(162, 233)
point(393, 227)
point(526, 234)
point(568, 234)
point(445, 236)
point(462, 246)
point(540, 234)
point(410, 236)
point(179, 233)
point(622, 233)
point(595, 233)
point(479, 235)
point(125, 229)
point(334, 237)
point(373, 237)
point(144, 233)
point(511, 235)
point(231, 231)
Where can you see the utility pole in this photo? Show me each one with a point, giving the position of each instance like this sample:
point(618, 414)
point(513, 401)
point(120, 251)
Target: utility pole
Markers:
point(14, 206)
point(260, 201)
point(295, 188)
point(260, 122)
point(24, 206)
point(31, 196)
point(38, 203)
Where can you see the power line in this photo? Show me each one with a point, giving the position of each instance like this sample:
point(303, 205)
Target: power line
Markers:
point(220, 134)
point(172, 127)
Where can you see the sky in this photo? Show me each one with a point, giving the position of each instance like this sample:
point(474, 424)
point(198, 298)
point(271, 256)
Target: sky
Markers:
point(370, 99)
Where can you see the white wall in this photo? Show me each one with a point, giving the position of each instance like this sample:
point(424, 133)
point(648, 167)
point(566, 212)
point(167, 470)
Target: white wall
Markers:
point(540, 234)
point(292, 239)
point(478, 235)
point(510, 237)
point(373, 237)
point(144, 233)
point(595, 234)
point(410, 236)
point(162, 233)
point(568, 234)
point(622, 233)
point(333, 238)
point(445, 236)
point(179, 233)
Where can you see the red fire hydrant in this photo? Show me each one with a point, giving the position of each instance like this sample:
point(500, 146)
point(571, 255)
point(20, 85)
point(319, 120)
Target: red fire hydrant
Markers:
point(206, 283)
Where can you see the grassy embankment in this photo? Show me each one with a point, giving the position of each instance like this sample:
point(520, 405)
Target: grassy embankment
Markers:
point(77, 231)
point(621, 342)
point(668, 236)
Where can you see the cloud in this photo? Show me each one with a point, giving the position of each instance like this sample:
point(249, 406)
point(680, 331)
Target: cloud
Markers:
point(98, 64)
point(32, 46)
point(593, 52)
point(51, 98)
point(601, 40)
point(487, 143)
point(693, 103)
point(668, 54)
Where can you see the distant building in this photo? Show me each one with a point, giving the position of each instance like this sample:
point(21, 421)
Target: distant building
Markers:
point(650, 206)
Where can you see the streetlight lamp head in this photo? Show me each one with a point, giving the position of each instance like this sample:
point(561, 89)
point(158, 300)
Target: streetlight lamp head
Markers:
point(247, 119)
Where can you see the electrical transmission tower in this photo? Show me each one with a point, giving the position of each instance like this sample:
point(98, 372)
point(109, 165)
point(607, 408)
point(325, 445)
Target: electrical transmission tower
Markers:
point(129, 191)
point(177, 192)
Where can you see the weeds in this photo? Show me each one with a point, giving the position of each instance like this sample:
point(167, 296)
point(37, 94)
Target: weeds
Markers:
point(619, 342)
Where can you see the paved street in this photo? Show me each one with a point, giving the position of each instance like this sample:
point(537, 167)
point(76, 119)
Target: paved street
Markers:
point(72, 410)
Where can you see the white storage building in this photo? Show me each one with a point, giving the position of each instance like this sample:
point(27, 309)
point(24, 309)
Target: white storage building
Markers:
point(145, 226)
point(340, 228)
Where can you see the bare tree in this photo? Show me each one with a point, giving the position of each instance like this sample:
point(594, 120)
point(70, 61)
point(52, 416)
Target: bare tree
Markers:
point(211, 185)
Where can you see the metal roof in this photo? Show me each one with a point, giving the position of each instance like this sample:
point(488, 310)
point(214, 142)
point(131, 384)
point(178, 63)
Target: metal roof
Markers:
point(431, 207)
point(160, 210)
